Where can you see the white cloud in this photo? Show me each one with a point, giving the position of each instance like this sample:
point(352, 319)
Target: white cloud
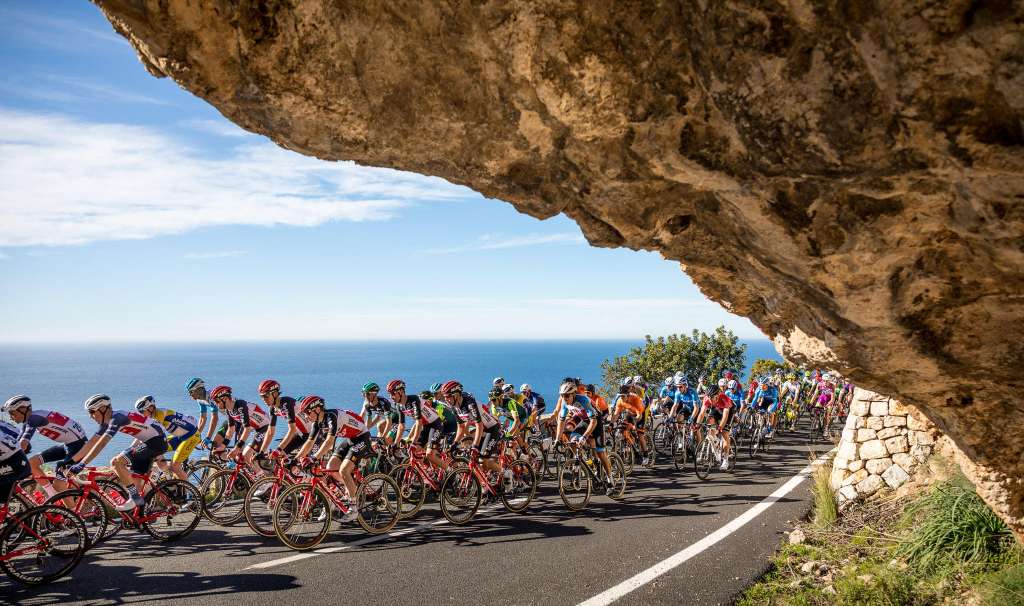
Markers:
point(499, 241)
point(88, 89)
point(223, 254)
point(68, 181)
point(221, 128)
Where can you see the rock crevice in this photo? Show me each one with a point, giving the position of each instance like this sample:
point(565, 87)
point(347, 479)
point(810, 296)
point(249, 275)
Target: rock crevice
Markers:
point(850, 176)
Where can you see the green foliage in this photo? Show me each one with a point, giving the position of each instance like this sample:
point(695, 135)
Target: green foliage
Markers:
point(826, 510)
point(1003, 588)
point(764, 366)
point(877, 583)
point(695, 355)
point(954, 528)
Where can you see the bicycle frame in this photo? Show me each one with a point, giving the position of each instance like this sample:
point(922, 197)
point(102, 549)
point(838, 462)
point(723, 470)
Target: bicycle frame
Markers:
point(477, 469)
point(5, 519)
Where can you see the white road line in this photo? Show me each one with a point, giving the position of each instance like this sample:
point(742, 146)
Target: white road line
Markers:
point(646, 576)
point(364, 541)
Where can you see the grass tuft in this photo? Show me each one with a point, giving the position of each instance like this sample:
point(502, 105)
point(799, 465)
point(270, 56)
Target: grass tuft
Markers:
point(826, 510)
point(954, 528)
point(1003, 588)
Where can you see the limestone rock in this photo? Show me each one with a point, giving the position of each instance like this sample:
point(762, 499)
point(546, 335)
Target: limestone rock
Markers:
point(895, 421)
point(897, 408)
point(889, 432)
point(856, 477)
point(860, 409)
point(904, 460)
point(875, 449)
point(863, 435)
point(878, 466)
point(916, 424)
point(836, 478)
point(808, 567)
point(897, 445)
point(860, 422)
point(847, 451)
point(797, 537)
point(847, 176)
point(879, 409)
point(876, 423)
point(925, 437)
point(847, 494)
point(849, 435)
point(895, 476)
point(855, 465)
point(869, 485)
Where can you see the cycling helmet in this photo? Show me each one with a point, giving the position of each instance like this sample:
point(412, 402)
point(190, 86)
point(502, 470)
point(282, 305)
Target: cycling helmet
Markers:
point(728, 374)
point(370, 386)
point(194, 383)
point(498, 381)
point(144, 402)
point(220, 391)
point(722, 383)
point(96, 402)
point(17, 403)
point(451, 387)
point(267, 386)
point(668, 381)
point(732, 384)
point(638, 380)
point(627, 382)
point(309, 402)
point(567, 388)
point(525, 387)
point(591, 388)
point(494, 394)
point(791, 377)
point(435, 387)
point(680, 381)
point(426, 395)
point(508, 388)
point(394, 385)
point(572, 380)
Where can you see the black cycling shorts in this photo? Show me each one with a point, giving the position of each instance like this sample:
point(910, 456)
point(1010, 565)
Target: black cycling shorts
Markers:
point(297, 441)
point(716, 414)
point(354, 449)
point(490, 441)
point(140, 457)
point(13, 469)
point(431, 434)
point(62, 452)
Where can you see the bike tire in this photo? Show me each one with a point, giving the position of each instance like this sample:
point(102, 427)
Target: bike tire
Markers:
point(259, 510)
point(704, 459)
point(573, 479)
point(179, 502)
point(680, 454)
point(461, 489)
point(619, 476)
point(412, 488)
point(92, 510)
point(378, 502)
point(54, 523)
point(524, 480)
point(302, 504)
point(224, 496)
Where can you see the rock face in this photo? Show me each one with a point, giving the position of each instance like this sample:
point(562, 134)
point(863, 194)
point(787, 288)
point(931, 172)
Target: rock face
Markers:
point(848, 175)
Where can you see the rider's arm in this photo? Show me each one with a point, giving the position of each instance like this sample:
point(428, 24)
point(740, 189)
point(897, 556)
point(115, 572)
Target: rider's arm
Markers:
point(590, 428)
point(268, 436)
point(214, 418)
point(326, 446)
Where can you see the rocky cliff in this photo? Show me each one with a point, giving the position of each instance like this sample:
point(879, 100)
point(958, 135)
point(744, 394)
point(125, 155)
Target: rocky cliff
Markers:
point(848, 175)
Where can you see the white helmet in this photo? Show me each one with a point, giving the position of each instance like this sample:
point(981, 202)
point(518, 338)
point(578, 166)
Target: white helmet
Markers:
point(17, 403)
point(732, 383)
point(144, 402)
point(678, 374)
point(497, 382)
point(567, 388)
point(668, 382)
point(97, 402)
point(508, 388)
point(680, 381)
point(721, 383)
point(627, 382)
point(525, 387)
point(638, 380)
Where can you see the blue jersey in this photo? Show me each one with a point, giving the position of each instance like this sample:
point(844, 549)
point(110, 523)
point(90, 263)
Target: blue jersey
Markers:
point(687, 401)
point(770, 393)
point(579, 409)
point(667, 392)
point(736, 397)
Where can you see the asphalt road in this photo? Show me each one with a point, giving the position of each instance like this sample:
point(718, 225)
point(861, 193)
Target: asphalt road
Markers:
point(548, 556)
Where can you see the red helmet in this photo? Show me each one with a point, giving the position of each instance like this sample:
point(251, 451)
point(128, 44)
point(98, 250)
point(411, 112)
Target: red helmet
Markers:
point(451, 387)
point(728, 374)
point(394, 385)
point(267, 386)
point(220, 390)
point(309, 402)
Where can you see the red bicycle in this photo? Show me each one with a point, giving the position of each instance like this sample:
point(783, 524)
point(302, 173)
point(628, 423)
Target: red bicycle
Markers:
point(171, 509)
point(302, 516)
point(416, 476)
point(41, 544)
point(29, 494)
point(263, 495)
point(224, 492)
point(464, 486)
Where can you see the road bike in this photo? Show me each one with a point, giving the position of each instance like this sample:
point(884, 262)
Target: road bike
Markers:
point(264, 493)
point(417, 476)
point(464, 486)
point(224, 491)
point(711, 451)
point(41, 543)
point(578, 475)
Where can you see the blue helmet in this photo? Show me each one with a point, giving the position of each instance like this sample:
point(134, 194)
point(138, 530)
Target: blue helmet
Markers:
point(193, 383)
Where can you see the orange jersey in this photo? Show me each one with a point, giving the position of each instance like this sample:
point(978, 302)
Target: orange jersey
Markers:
point(630, 403)
point(599, 403)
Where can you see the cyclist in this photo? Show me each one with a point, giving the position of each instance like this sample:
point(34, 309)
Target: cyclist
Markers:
point(487, 434)
point(66, 432)
point(428, 428)
point(766, 400)
point(245, 419)
point(182, 433)
point(283, 407)
point(503, 405)
point(379, 413)
point(14, 466)
point(196, 390)
point(685, 403)
point(534, 402)
point(354, 445)
point(718, 406)
point(580, 422)
point(150, 442)
point(631, 407)
point(666, 395)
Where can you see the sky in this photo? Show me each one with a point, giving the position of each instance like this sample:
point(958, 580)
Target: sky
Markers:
point(133, 211)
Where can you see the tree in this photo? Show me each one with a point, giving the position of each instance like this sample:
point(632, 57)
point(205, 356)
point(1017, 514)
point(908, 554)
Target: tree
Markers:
point(694, 355)
point(765, 366)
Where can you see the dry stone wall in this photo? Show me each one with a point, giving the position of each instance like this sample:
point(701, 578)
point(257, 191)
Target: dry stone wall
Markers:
point(882, 445)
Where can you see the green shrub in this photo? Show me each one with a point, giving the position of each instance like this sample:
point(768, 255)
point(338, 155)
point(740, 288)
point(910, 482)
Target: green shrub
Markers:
point(1003, 588)
point(826, 510)
point(954, 528)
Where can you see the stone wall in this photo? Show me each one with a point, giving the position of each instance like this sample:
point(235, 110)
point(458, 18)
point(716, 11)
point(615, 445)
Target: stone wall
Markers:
point(882, 444)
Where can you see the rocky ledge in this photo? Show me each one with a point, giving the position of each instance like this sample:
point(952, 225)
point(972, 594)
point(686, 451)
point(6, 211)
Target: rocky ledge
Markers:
point(848, 175)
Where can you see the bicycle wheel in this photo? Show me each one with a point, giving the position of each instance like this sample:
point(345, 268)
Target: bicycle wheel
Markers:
point(302, 516)
point(460, 495)
point(198, 471)
point(704, 459)
point(618, 475)
point(561, 456)
point(43, 544)
point(680, 456)
point(411, 487)
point(259, 505)
point(224, 496)
point(574, 485)
point(752, 441)
point(518, 486)
point(539, 461)
point(91, 509)
point(178, 507)
point(813, 429)
point(663, 440)
point(379, 503)
point(648, 447)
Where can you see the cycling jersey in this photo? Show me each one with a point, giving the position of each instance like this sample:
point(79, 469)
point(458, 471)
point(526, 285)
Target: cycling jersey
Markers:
point(789, 388)
point(720, 402)
point(415, 408)
point(534, 402)
point(686, 400)
point(578, 411)
point(768, 394)
point(177, 425)
point(350, 425)
point(736, 397)
point(286, 410)
point(667, 392)
point(52, 425)
point(325, 427)
point(510, 408)
point(825, 393)
point(476, 411)
point(246, 414)
point(135, 424)
point(8, 440)
point(205, 406)
point(382, 408)
point(629, 403)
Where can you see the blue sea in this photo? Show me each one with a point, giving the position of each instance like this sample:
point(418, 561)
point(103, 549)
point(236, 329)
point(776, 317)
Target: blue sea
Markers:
point(60, 377)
